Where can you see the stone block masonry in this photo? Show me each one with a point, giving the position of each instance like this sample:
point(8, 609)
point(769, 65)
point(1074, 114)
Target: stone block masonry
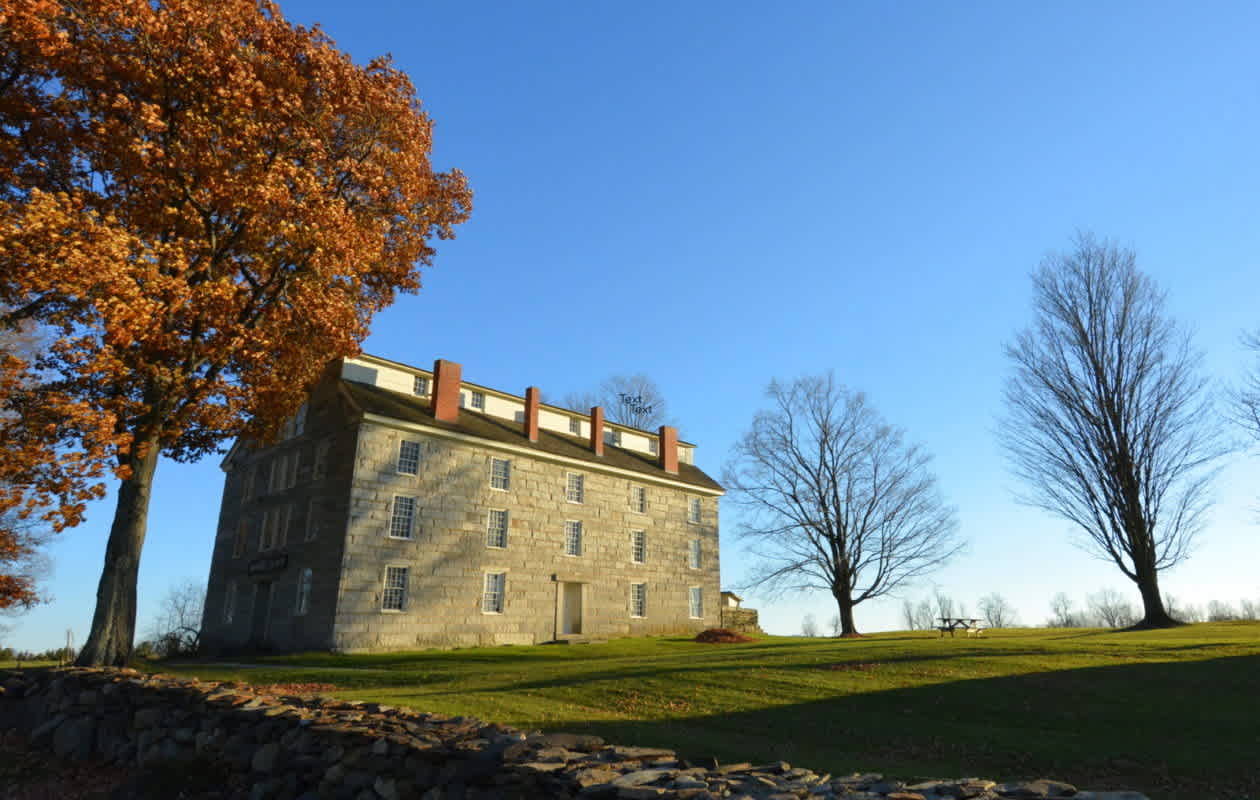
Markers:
point(313, 748)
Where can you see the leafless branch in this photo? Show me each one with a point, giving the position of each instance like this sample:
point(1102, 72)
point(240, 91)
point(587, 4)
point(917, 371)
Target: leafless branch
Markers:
point(835, 498)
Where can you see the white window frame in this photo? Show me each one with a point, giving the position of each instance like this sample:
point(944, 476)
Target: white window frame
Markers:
point(295, 465)
point(638, 600)
point(575, 487)
point(695, 510)
point(420, 386)
point(494, 592)
point(320, 469)
point(496, 479)
point(394, 517)
point(638, 499)
point(612, 436)
point(695, 602)
point(229, 603)
point(575, 426)
point(478, 401)
point(303, 601)
point(284, 519)
point(654, 446)
point(638, 547)
point(497, 535)
point(312, 529)
point(573, 538)
point(695, 554)
point(241, 542)
point(404, 462)
point(399, 591)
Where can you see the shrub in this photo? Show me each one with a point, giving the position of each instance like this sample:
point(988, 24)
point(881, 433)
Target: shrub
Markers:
point(721, 636)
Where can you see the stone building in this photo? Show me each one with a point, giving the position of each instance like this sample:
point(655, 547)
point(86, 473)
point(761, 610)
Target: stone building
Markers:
point(407, 508)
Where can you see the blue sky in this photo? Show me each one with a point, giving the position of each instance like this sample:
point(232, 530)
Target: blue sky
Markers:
point(717, 194)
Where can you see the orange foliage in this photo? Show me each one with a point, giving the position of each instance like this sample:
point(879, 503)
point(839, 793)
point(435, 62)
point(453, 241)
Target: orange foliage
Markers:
point(205, 203)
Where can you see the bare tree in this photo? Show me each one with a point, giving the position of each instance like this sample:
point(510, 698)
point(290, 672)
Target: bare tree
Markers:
point(1249, 395)
point(834, 625)
point(809, 626)
point(836, 499)
point(1061, 608)
point(1248, 609)
point(1111, 609)
point(944, 604)
point(1109, 422)
point(997, 610)
point(908, 614)
point(177, 629)
point(633, 400)
point(1220, 611)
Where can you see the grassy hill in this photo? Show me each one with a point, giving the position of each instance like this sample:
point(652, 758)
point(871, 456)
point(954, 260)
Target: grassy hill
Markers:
point(1172, 713)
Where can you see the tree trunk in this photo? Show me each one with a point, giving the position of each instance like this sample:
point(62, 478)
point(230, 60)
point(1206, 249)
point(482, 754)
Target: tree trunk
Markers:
point(844, 601)
point(114, 623)
point(1154, 615)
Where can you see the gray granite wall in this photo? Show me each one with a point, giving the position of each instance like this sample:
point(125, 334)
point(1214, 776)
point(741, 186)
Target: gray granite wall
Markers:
point(447, 557)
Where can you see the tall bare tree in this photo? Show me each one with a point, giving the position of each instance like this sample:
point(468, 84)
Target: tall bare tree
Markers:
point(997, 610)
point(1249, 395)
point(1109, 422)
point(633, 400)
point(1111, 609)
point(835, 498)
point(176, 630)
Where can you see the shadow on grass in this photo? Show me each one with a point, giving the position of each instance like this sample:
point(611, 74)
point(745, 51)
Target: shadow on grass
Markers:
point(1174, 730)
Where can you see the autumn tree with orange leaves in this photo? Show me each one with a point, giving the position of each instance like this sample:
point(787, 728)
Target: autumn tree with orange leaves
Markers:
point(205, 203)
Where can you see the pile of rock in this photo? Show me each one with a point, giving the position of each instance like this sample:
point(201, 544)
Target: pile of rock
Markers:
point(261, 746)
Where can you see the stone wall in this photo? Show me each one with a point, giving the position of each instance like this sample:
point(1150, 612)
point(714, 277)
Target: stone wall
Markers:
point(741, 620)
point(448, 557)
point(265, 581)
point(261, 746)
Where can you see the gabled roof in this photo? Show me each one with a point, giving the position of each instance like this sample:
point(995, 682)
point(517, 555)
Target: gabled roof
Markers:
point(416, 410)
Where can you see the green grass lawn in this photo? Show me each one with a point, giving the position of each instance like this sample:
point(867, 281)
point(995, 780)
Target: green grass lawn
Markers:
point(1173, 713)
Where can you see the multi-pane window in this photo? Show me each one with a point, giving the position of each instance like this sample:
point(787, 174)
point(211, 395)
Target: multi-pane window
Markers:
point(638, 499)
point(274, 473)
point(575, 487)
point(320, 470)
point(283, 517)
point(638, 599)
point(696, 602)
point(312, 521)
point(496, 528)
point(654, 446)
point(303, 601)
point(500, 473)
point(395, 594)
point(479, 401)
point(238, 543)
point(638, 547)
point(420, 385)
point(492, 596)
point(274, 528)
point(693, 510)
point(229, 603)
point(408, 457)
point(575, 426)
point(572, 538)
point(693, 554)
point(613, 437)
point(295, 463)
point(247, 486)
point(403, 517)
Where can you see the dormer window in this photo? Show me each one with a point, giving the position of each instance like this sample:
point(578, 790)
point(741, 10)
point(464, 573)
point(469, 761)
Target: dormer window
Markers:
point(420, 386)
point(479, 401)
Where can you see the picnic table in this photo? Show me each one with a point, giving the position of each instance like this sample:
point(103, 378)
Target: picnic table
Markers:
point(952, 624)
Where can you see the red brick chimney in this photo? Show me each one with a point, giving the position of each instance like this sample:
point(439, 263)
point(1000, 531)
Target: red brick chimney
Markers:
point(597, 430)
point(669, 449)
point(533, 396)
point(445, 394)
